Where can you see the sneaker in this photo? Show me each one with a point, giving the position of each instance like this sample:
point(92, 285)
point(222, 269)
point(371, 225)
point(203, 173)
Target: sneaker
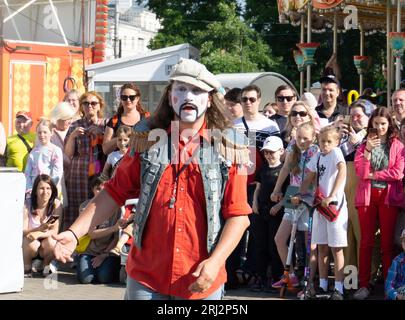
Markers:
point(336, 295)
point(361, 294)
point(28, 274)
point(50, 268)
point(37, 265)
point(293, 281)
point(279, 283)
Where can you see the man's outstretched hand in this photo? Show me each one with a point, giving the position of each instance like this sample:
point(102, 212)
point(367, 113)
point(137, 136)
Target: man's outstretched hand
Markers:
point(65, 246)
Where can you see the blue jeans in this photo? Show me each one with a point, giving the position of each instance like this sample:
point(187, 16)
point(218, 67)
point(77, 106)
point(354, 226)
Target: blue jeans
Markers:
point(107, 272)
point(137, 291)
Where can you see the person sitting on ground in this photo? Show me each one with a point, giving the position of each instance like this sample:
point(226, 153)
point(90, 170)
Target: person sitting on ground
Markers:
point(395, 282)
point(40, 223)
point(95, 264)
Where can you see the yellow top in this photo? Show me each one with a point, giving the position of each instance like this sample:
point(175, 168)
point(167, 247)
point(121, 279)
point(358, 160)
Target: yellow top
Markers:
point(17, 153)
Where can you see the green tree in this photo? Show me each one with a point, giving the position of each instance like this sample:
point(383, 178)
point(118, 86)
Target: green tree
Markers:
point(226, 43)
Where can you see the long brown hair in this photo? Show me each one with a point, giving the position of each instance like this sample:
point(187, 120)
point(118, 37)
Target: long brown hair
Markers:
point(164, 114)
point(50, 207)
point(141, 109)
point(392, 131)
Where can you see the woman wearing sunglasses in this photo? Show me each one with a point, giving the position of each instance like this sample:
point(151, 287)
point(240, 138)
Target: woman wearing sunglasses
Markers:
point(129, 112)
point(300, 113)
point(83, 145)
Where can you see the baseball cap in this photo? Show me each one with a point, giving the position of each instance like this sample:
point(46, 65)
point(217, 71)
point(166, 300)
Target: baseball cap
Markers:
point(309, 99)
point(194, 73)
point(272, 143)
point(329, 79)
point(26, 114)
point(62, 111)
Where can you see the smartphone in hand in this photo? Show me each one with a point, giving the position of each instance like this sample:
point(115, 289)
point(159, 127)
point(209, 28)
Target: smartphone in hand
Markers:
point(52, 219)
point(372, 132)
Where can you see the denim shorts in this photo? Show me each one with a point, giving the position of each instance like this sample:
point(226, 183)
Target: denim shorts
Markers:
point(302, 220)
point(137, 291)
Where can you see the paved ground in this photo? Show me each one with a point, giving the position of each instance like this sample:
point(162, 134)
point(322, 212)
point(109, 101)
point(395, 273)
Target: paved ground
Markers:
point(64, 286)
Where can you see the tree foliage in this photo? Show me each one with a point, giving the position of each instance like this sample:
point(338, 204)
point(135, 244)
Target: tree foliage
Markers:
point(226, 43)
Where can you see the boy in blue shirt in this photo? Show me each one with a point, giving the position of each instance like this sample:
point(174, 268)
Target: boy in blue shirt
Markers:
point(395, 282)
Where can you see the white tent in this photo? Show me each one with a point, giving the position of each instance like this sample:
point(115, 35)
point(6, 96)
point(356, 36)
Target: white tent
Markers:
point(149, 71)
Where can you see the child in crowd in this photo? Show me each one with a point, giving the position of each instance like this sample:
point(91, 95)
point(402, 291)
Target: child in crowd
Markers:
point(329, 169)
point(95, 264)
point(269, 214)
point(41, 221)
point(379, 163)
point(395, 282)
point(123, 136)
point(45, 158)
point(299, 153)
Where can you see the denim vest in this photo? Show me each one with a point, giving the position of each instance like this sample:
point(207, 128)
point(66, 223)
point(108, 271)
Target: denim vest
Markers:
point(214, 175)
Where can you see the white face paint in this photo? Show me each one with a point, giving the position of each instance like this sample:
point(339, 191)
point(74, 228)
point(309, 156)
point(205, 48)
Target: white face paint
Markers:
point(189, 102)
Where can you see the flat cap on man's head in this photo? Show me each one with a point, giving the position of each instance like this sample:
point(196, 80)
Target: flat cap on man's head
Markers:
point(330, 79)
point(194, 73)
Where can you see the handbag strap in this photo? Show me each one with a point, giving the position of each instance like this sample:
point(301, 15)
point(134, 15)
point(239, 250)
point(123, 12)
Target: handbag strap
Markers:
point(246, 126)
point(25, 142)
point(317, 180)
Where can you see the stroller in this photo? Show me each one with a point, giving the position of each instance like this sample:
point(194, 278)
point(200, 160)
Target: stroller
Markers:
point(129, 208)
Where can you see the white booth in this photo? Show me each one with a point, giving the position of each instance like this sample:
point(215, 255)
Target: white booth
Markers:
point(12, 191)
point(149, 71)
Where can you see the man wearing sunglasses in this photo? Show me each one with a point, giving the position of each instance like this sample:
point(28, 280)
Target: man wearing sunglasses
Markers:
point(330, 108)
point(285, 97)
point(191, 212)
point(257, 127)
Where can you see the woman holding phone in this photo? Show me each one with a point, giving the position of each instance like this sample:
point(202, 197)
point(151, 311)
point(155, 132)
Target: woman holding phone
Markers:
point(379, 163)
point(41, 221)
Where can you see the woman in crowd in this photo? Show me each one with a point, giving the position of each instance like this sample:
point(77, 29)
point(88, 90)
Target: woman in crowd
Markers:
point(41, 221)
point(379, 163)
point(83, 145)
point(61, 117)
point(129, 112)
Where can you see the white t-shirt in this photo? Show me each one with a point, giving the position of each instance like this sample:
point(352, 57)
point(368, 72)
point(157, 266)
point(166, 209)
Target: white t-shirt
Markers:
point(328, 172)
point(114, 157)
point(262, 126)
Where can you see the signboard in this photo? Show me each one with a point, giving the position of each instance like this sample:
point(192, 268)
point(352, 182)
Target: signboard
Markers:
point(52, 21)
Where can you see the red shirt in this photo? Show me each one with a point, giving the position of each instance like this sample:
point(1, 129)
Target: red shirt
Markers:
point(175, 240)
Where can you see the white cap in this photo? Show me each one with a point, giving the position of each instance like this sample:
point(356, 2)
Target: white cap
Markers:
point(272, 143)
point(309, 99)
point(195, 73)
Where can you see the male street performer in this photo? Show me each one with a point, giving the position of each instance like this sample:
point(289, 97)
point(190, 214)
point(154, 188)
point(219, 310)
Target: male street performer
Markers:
point(192, 208)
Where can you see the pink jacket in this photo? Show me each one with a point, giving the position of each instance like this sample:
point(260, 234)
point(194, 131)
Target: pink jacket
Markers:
point(392, 175)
